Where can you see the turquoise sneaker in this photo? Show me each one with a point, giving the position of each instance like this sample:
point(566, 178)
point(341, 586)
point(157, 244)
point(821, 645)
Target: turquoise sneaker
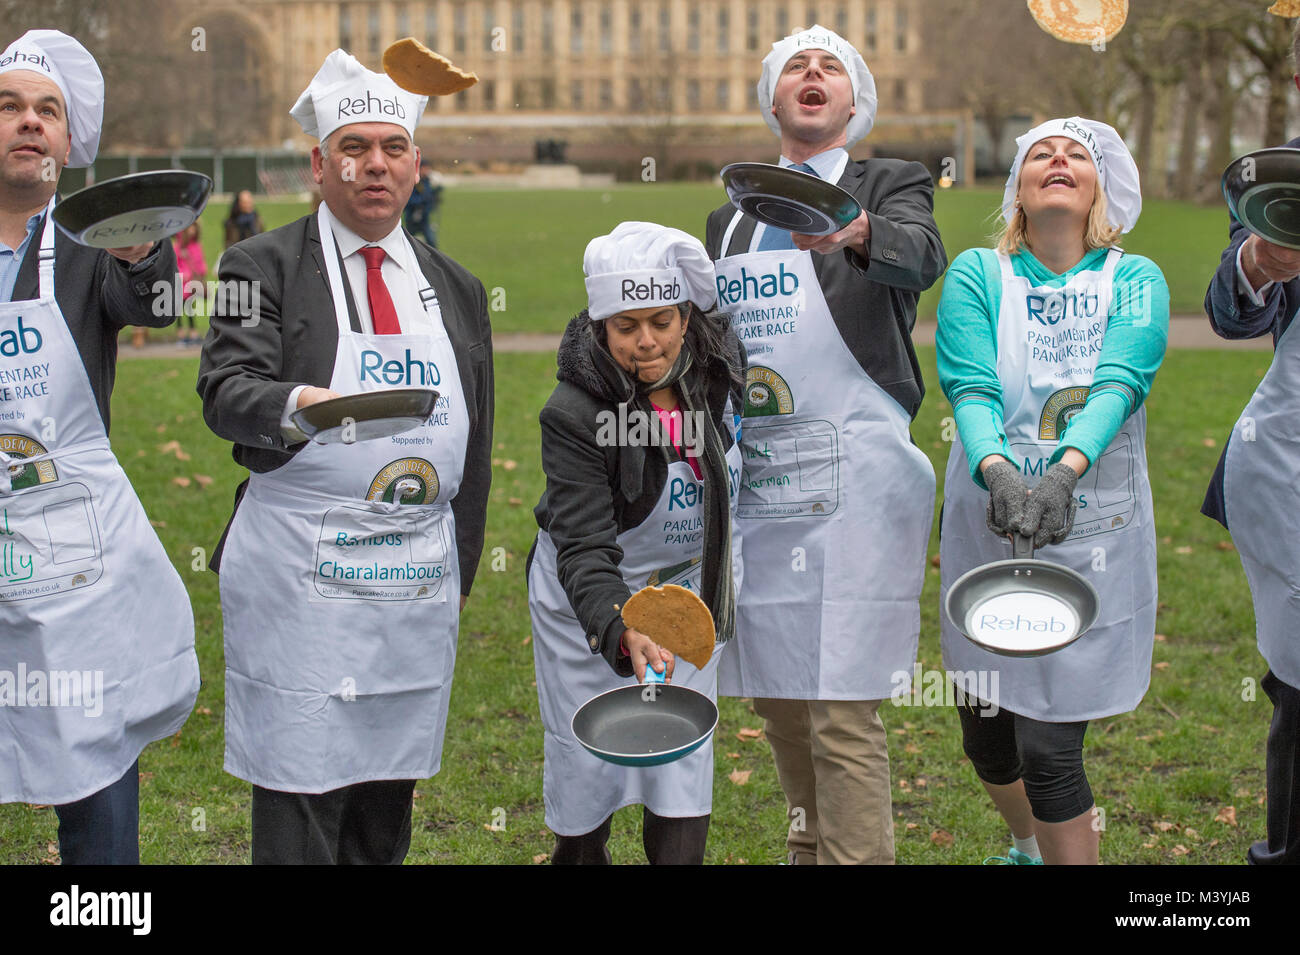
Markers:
point(1013, 857)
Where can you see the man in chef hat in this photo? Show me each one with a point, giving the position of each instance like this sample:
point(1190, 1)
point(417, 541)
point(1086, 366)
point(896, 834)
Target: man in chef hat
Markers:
point(837, 501)
point(87, 588)
point(345, 565)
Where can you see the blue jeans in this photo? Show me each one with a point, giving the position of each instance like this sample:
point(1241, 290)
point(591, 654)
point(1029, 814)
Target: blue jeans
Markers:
point(103, 828)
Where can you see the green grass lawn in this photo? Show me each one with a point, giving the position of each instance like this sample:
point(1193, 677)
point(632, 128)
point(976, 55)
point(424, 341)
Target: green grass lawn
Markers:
point(527, 246)
point(1162, 774)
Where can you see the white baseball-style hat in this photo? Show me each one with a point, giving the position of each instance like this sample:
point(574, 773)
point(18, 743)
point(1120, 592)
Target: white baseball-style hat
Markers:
point(641, 264)
point(1116, 170)
point(69, 66)
point(819, 37)
point(344, 92)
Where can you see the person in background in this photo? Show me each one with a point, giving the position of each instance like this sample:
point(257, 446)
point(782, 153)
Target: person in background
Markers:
point(423, 205)
point(1047, 348)
point(244, 220)
point(192, 268)
point(618, 515)
point(836, 502)
point(1255, 292)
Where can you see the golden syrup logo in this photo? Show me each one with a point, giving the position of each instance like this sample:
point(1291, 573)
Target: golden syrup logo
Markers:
point(673, 574)
point(1058, 410)
point(405, 481)
point(27, 475)
point(766, 393)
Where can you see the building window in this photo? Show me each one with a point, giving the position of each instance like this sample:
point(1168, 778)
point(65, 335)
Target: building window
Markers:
point(548, 28)
point(462, 101)
point(575, 94)
point(345, 28)
point(548, 92)
point(489, 94)
point(575, 31)
point(489, 27)
point(842, 20)
point(900, 29)
point(782, 23)
point(520, 91)
point(519, 28)
point(693, 29)
point(812, 18)
point(693, 95)
point(722, 96)
point(751, 30)
point(431, 27)
point(635, 94)
point(900, 94)
point(460, 28)
point(634, 30)
point(871, 30)
point(665, 29)
point(606, 30)
point(372, 31)
point(606, 94)
point(724, 29)
point(663, 94)
point(403, 21)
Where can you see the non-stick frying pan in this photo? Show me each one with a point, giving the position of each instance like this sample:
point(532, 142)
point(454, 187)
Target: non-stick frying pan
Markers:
point(1023, 607)
point(645, 724)
point(131, 210)
point(1263, 191)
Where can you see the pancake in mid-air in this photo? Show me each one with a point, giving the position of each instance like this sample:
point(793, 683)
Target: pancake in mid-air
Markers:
point(1080, 21)
point(417, 69)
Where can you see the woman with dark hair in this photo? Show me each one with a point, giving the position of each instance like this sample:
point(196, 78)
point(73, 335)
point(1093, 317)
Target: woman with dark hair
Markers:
point(1047, 347)
point(642, 467)
point(244, 220)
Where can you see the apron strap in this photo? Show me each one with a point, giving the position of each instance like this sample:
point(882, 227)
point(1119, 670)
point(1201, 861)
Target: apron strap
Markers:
point(8, 463)
point(726, 236)
point(334, 270)
point(45, 260)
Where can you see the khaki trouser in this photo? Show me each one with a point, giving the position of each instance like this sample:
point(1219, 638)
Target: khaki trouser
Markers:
point(833, 763)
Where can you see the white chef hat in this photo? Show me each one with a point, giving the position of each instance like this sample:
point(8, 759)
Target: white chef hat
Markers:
point(69, 66)
point(641, 264)
point(1116, 170)
point(820, 38)
point(344, 92)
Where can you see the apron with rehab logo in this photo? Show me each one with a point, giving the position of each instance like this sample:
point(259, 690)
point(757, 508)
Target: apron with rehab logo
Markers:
point(835, 501)
point(1049, 340)
point(580, 790)
point(1259, 492)
point(96, 632)
point(340, 585)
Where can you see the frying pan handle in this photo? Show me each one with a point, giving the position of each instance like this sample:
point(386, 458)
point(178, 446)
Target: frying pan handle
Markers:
point(1022, 547)
point(651, 676)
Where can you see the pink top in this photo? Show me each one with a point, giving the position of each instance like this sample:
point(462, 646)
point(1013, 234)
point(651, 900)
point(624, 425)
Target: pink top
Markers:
point(189, 260)
point(672, 423)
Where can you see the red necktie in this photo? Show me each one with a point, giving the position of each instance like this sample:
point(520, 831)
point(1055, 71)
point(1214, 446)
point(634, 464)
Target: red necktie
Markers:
point(382, 312)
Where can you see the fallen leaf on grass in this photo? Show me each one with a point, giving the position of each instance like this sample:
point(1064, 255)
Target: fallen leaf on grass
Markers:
point(527, 640)
point(1210, 729)
point(1225, 545)
point(1162, 665)
point(509, 465)
point(514, 501)
point(1192, 834)
point(934, 561)
point(1180, 850)
point(912, 825)
point(1161, 638)
point(157, 523)
point(203, 480)
point(733, 756)
point(942, 839)
point(747, 732)
point(540, 858)
point(203, 711)
point(1164, 826)
point(1183, 550)
point(1227, 815)
point(911, 748)
point(1209, 442)
point(921, 782)
point(181, 481)
point(1148, 845)
point(740, 776)
point(173, 447)
point(899, 732)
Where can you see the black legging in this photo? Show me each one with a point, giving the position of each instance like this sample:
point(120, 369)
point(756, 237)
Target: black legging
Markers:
point(1047, 756)
point(667, 841)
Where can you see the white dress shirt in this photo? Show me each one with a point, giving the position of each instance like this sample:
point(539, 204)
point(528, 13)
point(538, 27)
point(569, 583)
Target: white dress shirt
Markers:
point(405, 282)
point(1253, 295)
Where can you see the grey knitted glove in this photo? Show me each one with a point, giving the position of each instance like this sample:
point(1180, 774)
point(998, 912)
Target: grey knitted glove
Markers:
point(1049, 510)
point(1007, 493)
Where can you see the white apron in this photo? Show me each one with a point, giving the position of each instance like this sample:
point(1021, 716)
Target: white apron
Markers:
point(580, 790)
point(341, 605)
point(1047, 355)
point(96, 632)
point(835, 501)
point(1259, 490)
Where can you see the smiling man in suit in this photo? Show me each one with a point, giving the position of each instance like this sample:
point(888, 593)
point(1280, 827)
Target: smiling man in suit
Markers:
point(345, 565)
point(836, 502)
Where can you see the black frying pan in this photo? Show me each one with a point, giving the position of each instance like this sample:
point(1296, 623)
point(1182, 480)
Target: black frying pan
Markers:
point(134, 209)
point(1262, 190)
point(646, 724)
point(1023, 607)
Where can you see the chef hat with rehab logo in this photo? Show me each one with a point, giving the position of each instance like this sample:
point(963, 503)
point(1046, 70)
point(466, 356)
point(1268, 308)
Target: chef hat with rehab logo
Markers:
point(344, 92)
point(69, 66)
point(1116, 170)
point(820, 38)
point(642, 264)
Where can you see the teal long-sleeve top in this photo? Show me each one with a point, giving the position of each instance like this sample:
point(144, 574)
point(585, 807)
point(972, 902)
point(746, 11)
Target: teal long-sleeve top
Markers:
point(966, 342)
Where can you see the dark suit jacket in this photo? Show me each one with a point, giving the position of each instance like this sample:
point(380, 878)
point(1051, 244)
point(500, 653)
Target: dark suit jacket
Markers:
point(99, 296)
point(1232, 315)
point(873, 300)
point(247, 371)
